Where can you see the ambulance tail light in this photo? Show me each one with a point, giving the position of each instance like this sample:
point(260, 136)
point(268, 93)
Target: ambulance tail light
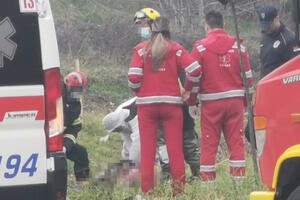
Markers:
point(260, 125)
point(54, 110)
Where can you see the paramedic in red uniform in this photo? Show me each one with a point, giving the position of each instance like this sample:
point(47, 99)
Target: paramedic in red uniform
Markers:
point(153, 75)
point(222, 97)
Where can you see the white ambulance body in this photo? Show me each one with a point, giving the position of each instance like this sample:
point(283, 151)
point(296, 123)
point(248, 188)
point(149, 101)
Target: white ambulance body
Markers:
point(32, 164)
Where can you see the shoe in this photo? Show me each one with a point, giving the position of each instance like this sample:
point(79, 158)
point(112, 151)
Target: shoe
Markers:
point(192, 179)
point(82, 175)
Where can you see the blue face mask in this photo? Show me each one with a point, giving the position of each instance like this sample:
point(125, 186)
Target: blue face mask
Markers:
point(145, 33)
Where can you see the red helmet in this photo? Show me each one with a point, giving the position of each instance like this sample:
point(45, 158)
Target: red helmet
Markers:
point(76, 79)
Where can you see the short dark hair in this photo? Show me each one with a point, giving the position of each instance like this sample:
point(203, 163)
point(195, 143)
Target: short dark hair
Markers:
point(214, 19)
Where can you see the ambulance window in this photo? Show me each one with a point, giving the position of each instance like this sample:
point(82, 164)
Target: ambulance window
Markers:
point(20, 51)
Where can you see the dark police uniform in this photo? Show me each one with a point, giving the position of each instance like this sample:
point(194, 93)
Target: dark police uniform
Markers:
point(276, 49)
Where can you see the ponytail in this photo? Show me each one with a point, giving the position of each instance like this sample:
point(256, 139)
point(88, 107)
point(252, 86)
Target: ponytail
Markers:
point(158, 51)
point(157, 48)
point(159, 44)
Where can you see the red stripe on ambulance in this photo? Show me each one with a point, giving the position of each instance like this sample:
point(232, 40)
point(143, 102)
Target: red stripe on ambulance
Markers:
point(22, 104)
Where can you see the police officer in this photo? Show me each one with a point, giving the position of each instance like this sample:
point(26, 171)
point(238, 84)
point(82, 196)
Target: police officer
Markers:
point(73, 86)
point(278, 44)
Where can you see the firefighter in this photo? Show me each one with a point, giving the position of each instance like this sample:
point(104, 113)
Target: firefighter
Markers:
point(153, 76)
point(73, 86)
point(278, 44)
point(222, 98)
point(144, 18)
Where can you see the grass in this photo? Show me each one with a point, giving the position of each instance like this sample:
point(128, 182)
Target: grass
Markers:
point(100, 154)
point(94, 11)
point(108, 87)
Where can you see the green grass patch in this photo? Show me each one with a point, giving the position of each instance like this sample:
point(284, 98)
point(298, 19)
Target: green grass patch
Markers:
point(100, 154)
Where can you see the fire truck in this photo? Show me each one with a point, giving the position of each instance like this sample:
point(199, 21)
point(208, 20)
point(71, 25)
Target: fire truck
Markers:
point(277, 129)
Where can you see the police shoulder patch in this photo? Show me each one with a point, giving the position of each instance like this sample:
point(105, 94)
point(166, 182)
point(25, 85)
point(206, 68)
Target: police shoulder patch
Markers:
point(276, 44)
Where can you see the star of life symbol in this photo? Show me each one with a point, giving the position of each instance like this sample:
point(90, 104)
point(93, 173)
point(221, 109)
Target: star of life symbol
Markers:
point(7, 46)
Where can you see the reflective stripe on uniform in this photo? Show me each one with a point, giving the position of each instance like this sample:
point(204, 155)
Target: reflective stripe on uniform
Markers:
point(134, 85)
point(192, 67)
point(78, 77)
point(222, 95)
point(201, 48)
point(210, 182)
point(239, 178)
point(141, 52)
point(194, 79)
point(136, 71)
point(249, 74)
point(158, 99)
point(251, 90)
point(243, 48)
point(237, 163)
point(195, 89)
point(180, 85)
point(77, 121)
point(71, 137)
point(207, 168)
point(163, 153)
point(178, 53)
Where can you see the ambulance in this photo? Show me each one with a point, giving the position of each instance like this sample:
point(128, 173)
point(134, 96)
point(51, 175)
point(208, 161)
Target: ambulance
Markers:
point(32, 163)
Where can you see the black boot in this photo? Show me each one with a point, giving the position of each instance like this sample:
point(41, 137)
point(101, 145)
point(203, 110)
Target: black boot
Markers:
point(195, 169)
point(82, 174)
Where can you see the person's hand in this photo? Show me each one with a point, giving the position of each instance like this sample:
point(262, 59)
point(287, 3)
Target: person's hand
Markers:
point(186, 95)
point(104, 138)
point(194, 112)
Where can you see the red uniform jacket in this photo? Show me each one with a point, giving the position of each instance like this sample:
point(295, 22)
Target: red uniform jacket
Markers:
point(221, 72)
point(162, 86)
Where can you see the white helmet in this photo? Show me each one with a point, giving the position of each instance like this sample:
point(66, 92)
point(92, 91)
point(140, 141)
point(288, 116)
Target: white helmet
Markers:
point(114, 119)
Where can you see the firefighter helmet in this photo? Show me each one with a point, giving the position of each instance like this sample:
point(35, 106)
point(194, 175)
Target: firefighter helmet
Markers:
point(75, 82)
point(146, 13)
point(75, 79)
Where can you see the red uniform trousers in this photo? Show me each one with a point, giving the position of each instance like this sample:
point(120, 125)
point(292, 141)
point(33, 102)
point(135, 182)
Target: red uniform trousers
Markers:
point(225, 115)
point(172, 119)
